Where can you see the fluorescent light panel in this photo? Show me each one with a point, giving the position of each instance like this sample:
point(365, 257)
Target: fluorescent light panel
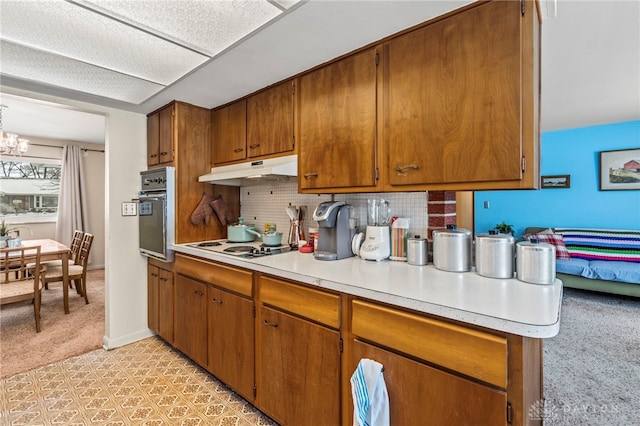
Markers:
point(34, 65)
point(208, 26)
point(126, 50)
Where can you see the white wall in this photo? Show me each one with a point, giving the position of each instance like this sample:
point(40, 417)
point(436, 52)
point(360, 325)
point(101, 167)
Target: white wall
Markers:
point(125, 269)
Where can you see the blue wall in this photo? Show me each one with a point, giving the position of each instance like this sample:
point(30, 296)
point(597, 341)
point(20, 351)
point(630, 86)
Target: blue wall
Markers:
point(572, 152)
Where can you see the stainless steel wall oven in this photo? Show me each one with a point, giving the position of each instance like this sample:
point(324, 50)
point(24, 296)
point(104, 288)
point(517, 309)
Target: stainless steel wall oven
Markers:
point(156, 213)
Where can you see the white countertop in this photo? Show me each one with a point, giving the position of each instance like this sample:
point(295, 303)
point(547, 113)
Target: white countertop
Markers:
point(507, 305)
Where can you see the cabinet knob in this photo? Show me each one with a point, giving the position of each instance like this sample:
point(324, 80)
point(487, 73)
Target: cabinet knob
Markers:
point(163, 279)
point(237, 150)
point(310, 175)
point(153, 155)
point(198, 293)
point(255, 145)
point(163, 153)
point(270, 324)
point(214, 300)
point(405, 168)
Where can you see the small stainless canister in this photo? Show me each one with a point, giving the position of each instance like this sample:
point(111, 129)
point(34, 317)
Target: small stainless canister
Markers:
point(535, 262)
point(495, 254)
point(417, 251)
point(452, 249)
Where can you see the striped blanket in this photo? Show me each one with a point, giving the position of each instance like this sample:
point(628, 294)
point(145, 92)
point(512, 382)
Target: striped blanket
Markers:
point(602, 244)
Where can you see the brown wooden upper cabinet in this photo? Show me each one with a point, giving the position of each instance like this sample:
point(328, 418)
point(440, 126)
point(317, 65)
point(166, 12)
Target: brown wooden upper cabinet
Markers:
point(460, 101)
point(337, 125)
point(229, 133)
point(160, 137)
point(270, 121)
point(258, 126)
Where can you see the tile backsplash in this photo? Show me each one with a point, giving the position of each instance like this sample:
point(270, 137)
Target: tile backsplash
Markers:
point(266, 203)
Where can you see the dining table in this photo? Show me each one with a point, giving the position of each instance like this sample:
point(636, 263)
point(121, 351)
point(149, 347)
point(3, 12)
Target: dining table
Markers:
point(53, 250)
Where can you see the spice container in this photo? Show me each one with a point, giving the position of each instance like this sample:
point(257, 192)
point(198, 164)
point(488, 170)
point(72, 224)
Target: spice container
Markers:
point(452, 249)
point(495, 254)
point(417, 251)
point(535, 262)
point(313, 238)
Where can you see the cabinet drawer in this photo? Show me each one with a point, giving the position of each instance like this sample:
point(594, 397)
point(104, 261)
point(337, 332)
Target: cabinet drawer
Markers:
point(470, 352)
point(232, 279)
point(309, 303)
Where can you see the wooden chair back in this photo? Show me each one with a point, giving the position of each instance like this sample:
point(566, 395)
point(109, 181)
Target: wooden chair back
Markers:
point(84, 251)
point(78, 236)
point(20, 271)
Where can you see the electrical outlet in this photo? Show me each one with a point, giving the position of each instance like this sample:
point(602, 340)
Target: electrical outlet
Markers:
point(129, 209)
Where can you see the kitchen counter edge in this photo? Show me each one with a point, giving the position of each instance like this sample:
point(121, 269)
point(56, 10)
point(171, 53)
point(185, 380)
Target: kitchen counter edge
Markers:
point(543, 320)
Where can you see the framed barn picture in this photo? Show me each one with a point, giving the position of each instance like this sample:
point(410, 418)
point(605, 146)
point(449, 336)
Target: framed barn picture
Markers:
point(620, 169)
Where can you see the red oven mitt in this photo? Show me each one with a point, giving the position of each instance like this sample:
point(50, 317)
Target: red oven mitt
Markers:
point(203, 211)
point(222, 210)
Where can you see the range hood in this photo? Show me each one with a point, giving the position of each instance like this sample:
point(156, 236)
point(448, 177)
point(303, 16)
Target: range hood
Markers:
point(269, 170)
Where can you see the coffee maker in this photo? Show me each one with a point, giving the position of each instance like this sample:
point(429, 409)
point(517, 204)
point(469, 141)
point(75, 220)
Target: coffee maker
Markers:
point(334, 235)
point(377, 240)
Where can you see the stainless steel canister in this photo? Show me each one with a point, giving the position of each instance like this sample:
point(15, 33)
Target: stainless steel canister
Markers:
point(452, 249)
point(417, 251)
point(535, 262)
point(495, 254)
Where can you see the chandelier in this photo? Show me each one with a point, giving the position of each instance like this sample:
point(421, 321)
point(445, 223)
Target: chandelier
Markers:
point(10, 143)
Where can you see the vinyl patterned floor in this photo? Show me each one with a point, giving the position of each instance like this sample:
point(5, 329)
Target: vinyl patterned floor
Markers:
point(145, 383)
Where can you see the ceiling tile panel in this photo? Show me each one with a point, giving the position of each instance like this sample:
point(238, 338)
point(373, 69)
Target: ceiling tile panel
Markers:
point(70, 30)
point(34, 65)
point(208, 26)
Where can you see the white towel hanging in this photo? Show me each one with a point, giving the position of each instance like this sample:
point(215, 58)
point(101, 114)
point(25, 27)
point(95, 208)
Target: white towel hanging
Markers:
point(369, 391)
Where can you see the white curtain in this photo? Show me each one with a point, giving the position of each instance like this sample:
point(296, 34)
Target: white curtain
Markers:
point(72, 208)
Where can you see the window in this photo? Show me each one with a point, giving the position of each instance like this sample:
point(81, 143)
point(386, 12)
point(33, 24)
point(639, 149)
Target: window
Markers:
point(29, 189)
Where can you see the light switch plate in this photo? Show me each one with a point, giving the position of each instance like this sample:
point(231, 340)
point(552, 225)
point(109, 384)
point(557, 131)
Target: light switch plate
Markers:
point(129, 209)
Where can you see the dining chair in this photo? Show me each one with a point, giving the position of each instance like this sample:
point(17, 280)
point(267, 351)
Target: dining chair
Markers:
point(77, 271)
point(76, 242)
point(19, 281)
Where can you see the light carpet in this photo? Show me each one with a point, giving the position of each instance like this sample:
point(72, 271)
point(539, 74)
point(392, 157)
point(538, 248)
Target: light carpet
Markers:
point(592, 367)
point(62, 336)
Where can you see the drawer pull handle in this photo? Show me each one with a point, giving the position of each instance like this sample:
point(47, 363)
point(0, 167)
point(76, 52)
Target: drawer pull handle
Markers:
point(237, 150)
point(163, 153)
point(198, 293)
point(163, 279)
point(269, 324)
point(153, 155)
point(214, 300)
point(310, 175)
point(405, 168)
point(255, 145)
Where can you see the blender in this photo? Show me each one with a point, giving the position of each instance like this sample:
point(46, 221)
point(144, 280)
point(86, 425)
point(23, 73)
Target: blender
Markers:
point(377, 241)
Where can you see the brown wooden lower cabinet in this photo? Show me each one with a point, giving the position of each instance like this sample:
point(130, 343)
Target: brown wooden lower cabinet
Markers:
point(418, 391)
point(160, 301)
point(298, 371)
point(190, 333)
point(231, 340)
point(290, 349)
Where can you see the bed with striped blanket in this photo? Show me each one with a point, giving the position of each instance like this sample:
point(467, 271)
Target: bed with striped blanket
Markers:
point(605, 260)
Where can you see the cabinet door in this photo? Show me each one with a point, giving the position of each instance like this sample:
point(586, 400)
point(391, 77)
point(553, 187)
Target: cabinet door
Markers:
point(165, 305)
point(452, 108)
point(231, 340)
point(191, 319)
point(152, 297)
point(338, 124)
point(153, 139)
point(270, 121)
point(298, 371)
point(165, 145)
point(417, 391)
point(229, 133)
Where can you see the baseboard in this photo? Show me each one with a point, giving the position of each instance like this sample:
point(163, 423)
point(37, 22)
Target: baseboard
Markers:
point(108, 343)
point(93, 267)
